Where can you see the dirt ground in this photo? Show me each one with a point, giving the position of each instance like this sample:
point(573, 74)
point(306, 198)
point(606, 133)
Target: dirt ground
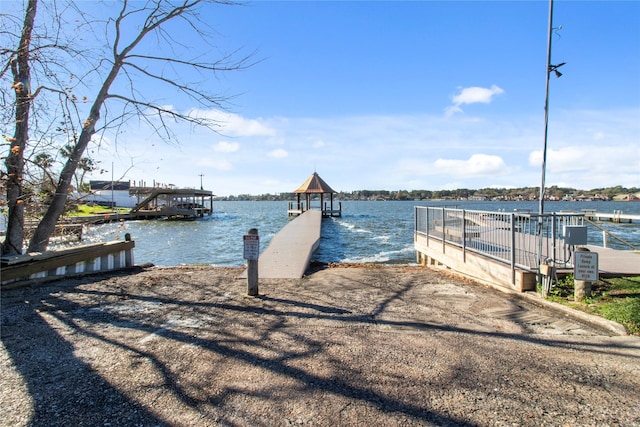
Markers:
point(386, 346)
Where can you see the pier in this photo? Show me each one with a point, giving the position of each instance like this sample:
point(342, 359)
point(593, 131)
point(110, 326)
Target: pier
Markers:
point(615, 216)
point(289, 253)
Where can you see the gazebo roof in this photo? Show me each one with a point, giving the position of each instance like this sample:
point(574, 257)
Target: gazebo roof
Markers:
point(314, 184)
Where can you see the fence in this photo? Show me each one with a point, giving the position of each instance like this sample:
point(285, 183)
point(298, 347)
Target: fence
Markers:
point(28, 269)
point(520, 239)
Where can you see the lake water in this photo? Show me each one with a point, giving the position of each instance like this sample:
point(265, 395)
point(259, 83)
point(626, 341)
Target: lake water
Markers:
point(367, 231)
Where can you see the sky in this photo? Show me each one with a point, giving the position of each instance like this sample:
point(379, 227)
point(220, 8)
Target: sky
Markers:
point(406, 96)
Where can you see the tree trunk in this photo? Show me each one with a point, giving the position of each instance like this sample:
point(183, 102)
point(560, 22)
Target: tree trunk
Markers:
point(14, 239)
point(40, 239)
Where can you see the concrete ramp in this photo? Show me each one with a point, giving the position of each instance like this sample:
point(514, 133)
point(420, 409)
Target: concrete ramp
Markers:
point(289, 252)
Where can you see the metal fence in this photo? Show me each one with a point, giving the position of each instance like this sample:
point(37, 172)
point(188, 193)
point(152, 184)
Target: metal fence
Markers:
point(521, 239)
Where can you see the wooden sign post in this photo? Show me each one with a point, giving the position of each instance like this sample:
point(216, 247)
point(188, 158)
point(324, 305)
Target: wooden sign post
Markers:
point(251, 254)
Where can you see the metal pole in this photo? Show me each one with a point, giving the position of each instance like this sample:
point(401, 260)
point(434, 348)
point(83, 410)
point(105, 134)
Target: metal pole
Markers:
point(546, 127)
point(546, 110)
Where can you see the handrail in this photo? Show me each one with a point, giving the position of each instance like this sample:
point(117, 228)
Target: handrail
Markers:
point(618, 238)
point(519, 239)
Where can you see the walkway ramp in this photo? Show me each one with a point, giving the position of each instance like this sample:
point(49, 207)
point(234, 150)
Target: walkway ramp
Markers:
point(290, 250)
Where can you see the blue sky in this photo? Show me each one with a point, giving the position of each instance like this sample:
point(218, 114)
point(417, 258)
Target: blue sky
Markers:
point(408, 95)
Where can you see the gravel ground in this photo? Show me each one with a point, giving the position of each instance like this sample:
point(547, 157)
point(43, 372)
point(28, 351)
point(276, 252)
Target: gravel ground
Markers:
point(387, 346)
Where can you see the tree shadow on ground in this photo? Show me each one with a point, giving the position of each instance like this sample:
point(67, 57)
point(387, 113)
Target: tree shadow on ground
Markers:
point(48, 363)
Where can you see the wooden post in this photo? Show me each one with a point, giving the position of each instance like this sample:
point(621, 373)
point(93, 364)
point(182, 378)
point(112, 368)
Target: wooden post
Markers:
point(251, 254)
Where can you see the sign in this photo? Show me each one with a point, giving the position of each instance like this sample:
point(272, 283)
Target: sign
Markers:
point(586, 266)
point(251, 246)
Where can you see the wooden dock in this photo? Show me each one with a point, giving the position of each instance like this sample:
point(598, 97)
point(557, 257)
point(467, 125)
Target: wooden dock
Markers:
point(290, 250)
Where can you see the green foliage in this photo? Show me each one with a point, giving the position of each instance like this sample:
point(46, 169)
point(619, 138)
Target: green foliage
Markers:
point(625, 311)
point(562, 289)
point(616, 299)
point(514, 194)
point(87, 210)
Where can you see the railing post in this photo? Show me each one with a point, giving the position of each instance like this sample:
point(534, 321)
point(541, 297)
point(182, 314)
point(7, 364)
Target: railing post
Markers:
point(553, 238)
point(464, 236)
point(426, 223)
point(443, 230)
point(513, 249)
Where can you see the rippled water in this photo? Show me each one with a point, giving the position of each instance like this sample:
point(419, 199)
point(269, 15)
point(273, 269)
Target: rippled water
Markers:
point(366, 232)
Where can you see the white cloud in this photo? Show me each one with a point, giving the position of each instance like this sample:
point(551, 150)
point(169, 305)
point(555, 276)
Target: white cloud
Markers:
point(476, 165)
point(473, 95)
point(234, 124)
point(226, 147)
point(279, 153)
point(319, 144)
point(612, 160)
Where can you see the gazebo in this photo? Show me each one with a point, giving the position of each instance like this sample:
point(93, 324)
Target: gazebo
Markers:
point(315, 185)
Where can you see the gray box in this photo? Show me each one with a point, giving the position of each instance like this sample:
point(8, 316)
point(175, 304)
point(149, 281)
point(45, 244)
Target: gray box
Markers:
point(575, 235)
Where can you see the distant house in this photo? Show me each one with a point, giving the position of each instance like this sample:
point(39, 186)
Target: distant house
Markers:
point(111, 193)
point(627, 197)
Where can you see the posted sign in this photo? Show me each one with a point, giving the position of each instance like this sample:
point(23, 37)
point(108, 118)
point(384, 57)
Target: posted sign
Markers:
point(251, 246)
point(586, 266)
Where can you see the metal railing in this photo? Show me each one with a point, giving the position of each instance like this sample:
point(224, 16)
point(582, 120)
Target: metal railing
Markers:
point(520, 239)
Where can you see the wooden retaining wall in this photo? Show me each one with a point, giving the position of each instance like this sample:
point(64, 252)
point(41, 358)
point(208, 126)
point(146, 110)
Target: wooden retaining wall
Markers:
point(36, 268)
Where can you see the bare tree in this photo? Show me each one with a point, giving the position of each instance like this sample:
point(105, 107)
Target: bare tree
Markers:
point(21, 73)
point(119, 70)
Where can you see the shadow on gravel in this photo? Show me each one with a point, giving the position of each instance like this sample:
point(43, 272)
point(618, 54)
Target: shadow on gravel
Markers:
point(47, 361)
point(65, 390)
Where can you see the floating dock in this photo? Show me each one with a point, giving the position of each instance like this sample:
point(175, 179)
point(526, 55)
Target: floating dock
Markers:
point(289, 253)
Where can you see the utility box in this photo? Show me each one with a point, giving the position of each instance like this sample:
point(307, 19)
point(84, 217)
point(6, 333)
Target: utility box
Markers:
point(575, 235)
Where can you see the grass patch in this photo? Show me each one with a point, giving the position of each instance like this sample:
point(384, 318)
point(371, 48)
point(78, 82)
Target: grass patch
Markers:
point(616, 299)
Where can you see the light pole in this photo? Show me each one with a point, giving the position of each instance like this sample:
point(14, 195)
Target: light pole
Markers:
point(550, 68)
point(201, 175)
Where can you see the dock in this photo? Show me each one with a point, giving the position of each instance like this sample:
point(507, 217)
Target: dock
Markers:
point(616, 262)
point(615, 216)
point(289, 252)
point(171, 203)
